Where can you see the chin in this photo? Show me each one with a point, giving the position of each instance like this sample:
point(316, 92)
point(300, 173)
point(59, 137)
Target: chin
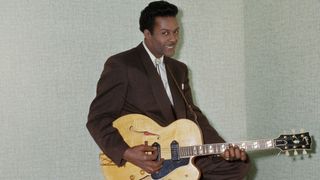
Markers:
point(169, 54)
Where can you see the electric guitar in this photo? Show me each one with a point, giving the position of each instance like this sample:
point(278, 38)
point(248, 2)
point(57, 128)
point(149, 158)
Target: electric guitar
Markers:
point(178, 144)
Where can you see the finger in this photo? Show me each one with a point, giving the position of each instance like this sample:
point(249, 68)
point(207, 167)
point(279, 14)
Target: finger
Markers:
point(231, 152)
point(237, 152)
point(153, 166)
point(243, 155)
point(148, 170)
point(158, 165)
point(146, 148)
point(151, 156)
point(139, 147)
point(226, 155)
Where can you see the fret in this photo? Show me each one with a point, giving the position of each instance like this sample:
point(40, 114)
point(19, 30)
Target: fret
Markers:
point(243, 145)
point(195, 152)
point(222, 147)
point(200, 150)
point(211, 150)
point(269, 144)
point(217, 148)
point(255, 145)
point(182, 152)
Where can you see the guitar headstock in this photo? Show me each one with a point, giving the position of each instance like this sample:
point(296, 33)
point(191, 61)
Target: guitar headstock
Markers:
point(287, 142)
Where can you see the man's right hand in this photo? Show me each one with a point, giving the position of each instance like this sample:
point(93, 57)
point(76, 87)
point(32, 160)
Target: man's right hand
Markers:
point(144, 156)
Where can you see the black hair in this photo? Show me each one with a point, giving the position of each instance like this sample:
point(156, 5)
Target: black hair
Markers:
point(153, 10)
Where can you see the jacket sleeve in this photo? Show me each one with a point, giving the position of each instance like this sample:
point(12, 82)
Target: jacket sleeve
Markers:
point(106, 107)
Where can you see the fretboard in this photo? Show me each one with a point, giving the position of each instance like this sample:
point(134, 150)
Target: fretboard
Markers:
point(208, 149)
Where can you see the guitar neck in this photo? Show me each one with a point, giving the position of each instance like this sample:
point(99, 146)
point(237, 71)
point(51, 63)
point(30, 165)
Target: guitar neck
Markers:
point(209, 149)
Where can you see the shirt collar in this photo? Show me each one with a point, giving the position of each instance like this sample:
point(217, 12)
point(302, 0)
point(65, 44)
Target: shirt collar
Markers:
point(152, 57)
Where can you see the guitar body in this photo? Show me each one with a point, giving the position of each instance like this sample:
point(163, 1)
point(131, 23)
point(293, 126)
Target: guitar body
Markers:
point(137, 129)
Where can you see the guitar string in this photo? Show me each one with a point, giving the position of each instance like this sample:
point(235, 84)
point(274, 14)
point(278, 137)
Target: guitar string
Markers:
point(220, 146)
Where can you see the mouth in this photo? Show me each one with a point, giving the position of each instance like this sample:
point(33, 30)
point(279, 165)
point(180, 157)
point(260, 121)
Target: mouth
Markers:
point(170, 47)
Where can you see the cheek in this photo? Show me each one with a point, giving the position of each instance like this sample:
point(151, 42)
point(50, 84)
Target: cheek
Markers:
point(163, 44)
point(160, 46)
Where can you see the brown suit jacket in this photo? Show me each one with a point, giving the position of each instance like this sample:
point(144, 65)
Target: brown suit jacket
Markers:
point(130, 83)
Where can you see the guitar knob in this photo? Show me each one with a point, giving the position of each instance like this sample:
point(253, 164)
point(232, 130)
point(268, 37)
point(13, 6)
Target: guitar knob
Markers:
point(295, 152)
point(287, 153)
point(304, 152)
point(142, 172)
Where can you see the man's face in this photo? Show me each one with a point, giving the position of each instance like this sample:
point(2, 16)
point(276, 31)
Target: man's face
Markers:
point(164, 38)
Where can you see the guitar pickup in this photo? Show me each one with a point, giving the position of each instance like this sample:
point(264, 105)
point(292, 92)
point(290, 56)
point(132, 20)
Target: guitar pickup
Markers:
point(175, 151)
point(157, 145)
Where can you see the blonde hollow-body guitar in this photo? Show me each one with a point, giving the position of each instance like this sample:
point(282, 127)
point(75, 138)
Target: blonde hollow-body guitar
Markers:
point(178, 144)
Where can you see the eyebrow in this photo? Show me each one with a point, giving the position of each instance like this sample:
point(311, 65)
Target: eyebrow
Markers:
point(169, 29)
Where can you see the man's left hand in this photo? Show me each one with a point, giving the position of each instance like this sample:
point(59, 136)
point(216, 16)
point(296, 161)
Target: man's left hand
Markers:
point(234, 153)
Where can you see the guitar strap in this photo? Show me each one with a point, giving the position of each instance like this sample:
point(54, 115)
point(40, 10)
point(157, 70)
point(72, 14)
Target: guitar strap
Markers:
point(183, 97)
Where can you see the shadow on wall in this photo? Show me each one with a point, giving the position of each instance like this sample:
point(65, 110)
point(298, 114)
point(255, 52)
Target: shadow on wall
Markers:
point(255, 155)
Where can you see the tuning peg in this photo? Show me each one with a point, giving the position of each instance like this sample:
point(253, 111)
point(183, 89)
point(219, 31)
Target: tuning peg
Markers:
point(304, 152)
point(293, 131)
point(295, 152)
point(302, 130)
point(287, 153)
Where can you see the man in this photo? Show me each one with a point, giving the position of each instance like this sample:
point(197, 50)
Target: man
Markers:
point(147, 81)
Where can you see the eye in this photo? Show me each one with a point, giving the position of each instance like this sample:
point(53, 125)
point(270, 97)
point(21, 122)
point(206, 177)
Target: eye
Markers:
point(165, 33)
point(176, 32)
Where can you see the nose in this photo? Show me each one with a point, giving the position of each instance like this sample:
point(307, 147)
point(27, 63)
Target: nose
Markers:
point(173, 37)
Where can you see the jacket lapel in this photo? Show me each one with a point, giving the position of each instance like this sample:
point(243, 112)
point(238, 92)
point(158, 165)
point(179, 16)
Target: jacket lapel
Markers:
point(179, 104)
point(157, 86)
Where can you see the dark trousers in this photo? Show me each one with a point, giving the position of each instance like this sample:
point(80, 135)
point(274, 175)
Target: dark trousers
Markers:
point(220, 169)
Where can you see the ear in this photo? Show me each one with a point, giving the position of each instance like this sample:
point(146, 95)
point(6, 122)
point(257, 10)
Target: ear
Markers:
point(147, 34)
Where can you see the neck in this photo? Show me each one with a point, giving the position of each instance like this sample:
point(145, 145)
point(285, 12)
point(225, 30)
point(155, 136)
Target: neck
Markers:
point(219, 148)
point(150, 49)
